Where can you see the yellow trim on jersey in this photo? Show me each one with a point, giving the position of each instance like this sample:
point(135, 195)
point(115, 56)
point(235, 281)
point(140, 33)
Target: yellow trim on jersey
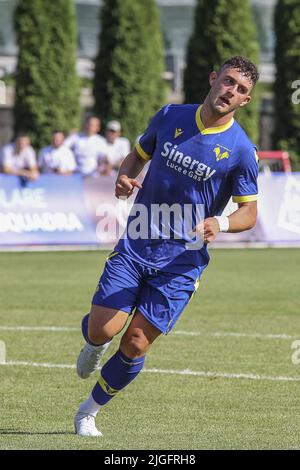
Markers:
point(211, 130)
point(251, 198)
point(141, 152)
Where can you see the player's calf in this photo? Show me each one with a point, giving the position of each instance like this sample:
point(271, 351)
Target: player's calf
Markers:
point(98, 328)
point(91, 354)
point(138, 337)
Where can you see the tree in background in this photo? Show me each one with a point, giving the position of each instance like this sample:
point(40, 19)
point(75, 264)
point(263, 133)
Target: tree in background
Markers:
point(223, 28)
point(287, 61)
point(128, 82)
point(47, 87)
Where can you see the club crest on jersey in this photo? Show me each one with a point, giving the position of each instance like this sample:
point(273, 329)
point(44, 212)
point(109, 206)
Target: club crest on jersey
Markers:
point(221, 152)
point(178, 132)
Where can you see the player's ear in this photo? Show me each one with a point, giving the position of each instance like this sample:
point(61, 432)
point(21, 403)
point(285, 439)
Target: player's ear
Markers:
point(246, 101)
point(212, 77)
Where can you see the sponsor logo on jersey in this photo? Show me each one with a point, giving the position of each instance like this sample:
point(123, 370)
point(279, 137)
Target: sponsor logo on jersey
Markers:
point(185, 164)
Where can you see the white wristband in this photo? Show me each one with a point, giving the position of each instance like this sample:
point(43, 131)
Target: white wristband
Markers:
point(223, 222)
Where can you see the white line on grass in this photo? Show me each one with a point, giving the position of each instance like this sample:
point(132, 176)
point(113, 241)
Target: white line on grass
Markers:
point(36, 364)
point(237, 335)
point(224, 334)
point(40, 328)
point(188, 372)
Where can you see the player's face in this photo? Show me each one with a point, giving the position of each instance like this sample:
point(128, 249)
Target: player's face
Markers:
point(230, 90)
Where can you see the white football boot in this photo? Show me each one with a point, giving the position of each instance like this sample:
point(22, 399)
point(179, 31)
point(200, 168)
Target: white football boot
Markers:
point(89, 359)
point(85, 425)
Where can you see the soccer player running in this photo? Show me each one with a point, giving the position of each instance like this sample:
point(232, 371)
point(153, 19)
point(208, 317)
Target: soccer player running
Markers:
point(200, 157)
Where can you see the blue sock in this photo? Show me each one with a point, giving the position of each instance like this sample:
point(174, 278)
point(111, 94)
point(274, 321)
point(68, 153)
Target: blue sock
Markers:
point(118, 372)
point(84, 329)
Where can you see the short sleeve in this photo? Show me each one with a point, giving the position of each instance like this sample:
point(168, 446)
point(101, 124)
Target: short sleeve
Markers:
point(147, 142)
point(244, 177)
point(68, 162)
point(31, 158)
point(71, 140)
point(6, 156)
point(7, 152)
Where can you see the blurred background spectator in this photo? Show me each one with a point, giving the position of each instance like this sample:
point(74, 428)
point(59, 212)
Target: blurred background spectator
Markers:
point(89, 147)
point(19, 158)
point(117, 147)
point(57, 157)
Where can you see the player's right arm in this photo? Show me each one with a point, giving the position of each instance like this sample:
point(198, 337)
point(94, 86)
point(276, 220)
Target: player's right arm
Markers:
point(136, 160)
point(130, 168)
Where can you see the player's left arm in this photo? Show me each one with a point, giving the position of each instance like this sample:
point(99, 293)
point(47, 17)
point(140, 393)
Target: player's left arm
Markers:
point(244, 191)
point(244, 218)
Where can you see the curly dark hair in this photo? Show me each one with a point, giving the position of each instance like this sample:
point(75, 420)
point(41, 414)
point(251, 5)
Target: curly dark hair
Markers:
point(243, 65)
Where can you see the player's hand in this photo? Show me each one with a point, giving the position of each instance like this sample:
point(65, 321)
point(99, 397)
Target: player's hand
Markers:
point(208, 229)
point(125, 186)
point(211, 229)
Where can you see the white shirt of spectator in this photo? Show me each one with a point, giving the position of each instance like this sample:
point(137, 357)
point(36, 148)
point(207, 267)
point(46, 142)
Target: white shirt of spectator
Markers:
point(88, 151)
point(25, 160)
point(117, 151)
point(59, 159)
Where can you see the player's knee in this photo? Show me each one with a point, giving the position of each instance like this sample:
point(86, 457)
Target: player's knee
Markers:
point(99, 335)
point(134, 344)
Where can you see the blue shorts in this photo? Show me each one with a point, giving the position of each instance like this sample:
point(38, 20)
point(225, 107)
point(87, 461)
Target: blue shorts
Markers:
point(160, 297)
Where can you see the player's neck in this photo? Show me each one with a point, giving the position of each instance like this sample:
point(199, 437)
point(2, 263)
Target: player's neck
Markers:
point(210, 119)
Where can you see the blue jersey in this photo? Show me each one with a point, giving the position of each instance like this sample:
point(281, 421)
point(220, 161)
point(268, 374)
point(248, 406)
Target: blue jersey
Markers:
point(191, 166)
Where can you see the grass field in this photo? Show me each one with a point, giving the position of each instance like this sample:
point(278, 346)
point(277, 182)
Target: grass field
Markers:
point(243, 320)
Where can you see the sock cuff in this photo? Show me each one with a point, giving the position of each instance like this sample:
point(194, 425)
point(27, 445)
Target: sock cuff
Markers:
point(84, 329)
point(128, 360)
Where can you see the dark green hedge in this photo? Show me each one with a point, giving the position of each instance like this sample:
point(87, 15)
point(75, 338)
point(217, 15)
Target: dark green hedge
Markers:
point(223, 28)
point(129, 67)
point(287, 61)
point(47, 92)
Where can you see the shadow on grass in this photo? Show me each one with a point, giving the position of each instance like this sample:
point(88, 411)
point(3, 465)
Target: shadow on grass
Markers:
point(12, 432)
